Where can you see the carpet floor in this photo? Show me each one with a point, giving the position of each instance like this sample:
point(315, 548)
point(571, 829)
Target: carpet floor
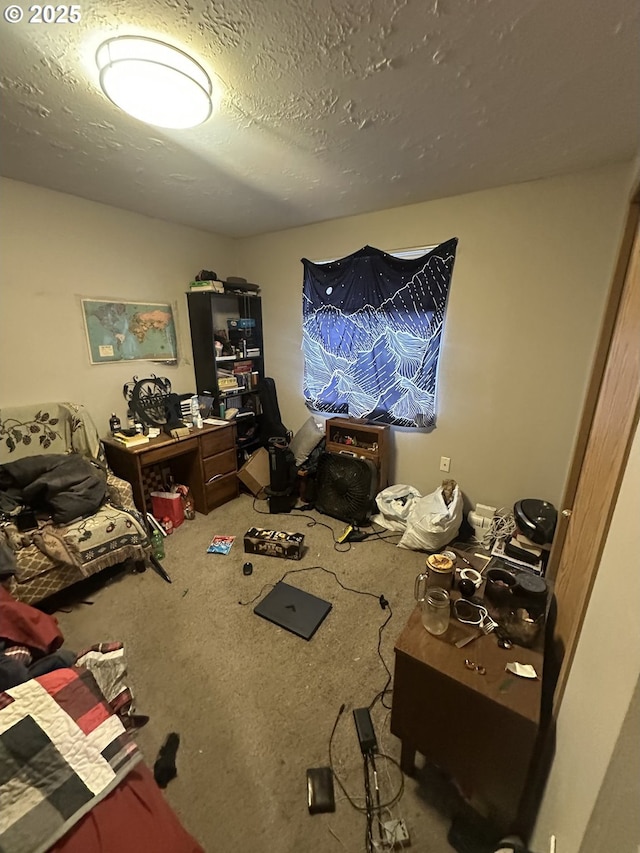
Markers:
point(255, 705)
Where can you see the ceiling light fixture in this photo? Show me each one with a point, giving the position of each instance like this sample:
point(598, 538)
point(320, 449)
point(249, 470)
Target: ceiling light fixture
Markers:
point(155, 83)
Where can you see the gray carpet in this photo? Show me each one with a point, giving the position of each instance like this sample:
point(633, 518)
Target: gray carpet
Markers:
point(254, 705)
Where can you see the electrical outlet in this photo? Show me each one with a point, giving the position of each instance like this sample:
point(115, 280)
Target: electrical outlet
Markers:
point(445, 463)
point(396, 834)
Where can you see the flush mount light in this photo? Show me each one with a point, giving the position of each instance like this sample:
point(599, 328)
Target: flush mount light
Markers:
point(155, 82)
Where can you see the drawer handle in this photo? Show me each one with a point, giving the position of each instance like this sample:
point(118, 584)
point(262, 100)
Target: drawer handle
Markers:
point(215, 477)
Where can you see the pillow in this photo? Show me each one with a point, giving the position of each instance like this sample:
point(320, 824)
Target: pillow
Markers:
point(307, 437)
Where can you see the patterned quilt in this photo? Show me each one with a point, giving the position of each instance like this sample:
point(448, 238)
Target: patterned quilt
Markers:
point(62, 750)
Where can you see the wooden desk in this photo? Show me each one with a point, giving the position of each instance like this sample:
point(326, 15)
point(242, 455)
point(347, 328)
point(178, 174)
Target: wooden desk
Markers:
point(480, 729)
point(205, 461)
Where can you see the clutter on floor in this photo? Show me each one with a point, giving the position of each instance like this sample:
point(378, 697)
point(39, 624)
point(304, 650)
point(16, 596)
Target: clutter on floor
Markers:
point(93, 780)
point(274, 543)
point(164, 768)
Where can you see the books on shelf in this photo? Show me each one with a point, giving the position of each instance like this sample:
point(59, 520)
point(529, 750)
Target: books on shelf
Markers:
point(199, 286)
point(131, 440)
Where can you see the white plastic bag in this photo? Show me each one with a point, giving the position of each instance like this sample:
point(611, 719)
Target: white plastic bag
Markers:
point(431, 524)
point(395, 504)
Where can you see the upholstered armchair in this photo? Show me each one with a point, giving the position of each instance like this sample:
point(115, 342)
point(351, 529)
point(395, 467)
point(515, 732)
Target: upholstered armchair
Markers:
point(53, 556)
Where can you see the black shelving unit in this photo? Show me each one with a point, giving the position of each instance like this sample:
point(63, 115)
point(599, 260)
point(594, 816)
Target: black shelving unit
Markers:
point(209, 313)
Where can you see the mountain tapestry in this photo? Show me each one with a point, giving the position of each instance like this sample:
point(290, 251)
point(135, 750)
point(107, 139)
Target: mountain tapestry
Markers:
point(371, 334)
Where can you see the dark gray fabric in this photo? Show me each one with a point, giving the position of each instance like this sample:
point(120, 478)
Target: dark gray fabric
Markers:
point(66, 486)
point(8, 565)
point(13, 672)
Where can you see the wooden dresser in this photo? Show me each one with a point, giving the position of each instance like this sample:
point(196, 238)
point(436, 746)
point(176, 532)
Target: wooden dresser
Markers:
point(480, 729)
point(205, 461)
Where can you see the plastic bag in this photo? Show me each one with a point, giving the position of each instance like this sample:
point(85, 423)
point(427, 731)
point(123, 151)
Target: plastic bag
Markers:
point(395, 504)
point(431, 524)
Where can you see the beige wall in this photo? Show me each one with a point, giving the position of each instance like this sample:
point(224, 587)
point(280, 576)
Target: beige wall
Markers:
point(601, 684)
point(614, 822)
point(533, 267)
point(57, 248)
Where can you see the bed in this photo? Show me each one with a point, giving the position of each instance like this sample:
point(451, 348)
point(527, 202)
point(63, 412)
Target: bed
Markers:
point(72, 778)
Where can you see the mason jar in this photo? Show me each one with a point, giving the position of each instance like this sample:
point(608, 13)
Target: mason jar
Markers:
point(435, 611)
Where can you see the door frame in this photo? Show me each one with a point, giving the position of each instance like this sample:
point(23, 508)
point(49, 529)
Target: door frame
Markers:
point(589, 571)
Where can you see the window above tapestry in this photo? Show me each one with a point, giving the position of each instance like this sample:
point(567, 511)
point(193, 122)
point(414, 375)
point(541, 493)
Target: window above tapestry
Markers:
point(371, 332)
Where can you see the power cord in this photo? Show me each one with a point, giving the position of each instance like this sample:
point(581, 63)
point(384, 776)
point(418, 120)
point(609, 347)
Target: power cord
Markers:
point(362, 537)
point(382, 601)
point(503, 525)
point(312, 522)
point(363, 809)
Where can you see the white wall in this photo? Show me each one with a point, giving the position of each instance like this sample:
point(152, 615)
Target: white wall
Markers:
point(602, 680)
point(57, 248)
point(529, 286)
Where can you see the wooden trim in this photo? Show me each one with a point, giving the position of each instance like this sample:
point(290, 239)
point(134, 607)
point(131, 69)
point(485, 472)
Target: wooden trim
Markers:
point(612, 428)
point(595, 382)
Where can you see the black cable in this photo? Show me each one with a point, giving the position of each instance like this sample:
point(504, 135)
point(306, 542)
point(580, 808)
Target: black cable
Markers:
point(400, 792)
point(377, 787)
point(384, 604)
point(312, 522)
point(329, 572)
point(374, 535)
point(335, 775)
point(362, 809)
point(368, 805)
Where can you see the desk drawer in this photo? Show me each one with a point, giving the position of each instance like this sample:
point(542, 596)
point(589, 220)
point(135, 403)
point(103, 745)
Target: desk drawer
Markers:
point(221, 490)
point(168, 451)
point(223, 463)
point(216, 442)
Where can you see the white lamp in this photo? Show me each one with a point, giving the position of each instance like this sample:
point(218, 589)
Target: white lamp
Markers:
point(155, 82)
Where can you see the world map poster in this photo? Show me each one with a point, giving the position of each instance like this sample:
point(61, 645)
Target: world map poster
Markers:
point(129, 331)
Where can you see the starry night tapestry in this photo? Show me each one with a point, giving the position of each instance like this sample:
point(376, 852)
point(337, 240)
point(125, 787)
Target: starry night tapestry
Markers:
point(372, 326)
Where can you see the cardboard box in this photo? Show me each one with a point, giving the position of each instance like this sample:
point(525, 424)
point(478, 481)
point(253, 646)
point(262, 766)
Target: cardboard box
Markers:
point(274, 543)
point(255, 471)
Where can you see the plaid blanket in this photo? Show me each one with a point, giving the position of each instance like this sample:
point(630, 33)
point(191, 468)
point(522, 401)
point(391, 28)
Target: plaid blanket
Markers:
point(62, 750)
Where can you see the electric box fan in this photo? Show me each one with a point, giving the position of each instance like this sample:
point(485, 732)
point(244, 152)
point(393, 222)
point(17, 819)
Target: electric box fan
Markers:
point(346, 487)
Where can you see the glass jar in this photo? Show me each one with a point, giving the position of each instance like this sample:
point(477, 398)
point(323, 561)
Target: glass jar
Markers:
point(435, 611)
point(440, 570)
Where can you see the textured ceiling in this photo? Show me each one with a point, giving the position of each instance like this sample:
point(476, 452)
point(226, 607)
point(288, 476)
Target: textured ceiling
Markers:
point(331, 108)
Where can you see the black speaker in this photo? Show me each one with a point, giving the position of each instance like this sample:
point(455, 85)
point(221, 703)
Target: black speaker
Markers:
point(282, 466)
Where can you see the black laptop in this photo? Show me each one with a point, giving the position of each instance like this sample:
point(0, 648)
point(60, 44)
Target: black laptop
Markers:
point(293, 609)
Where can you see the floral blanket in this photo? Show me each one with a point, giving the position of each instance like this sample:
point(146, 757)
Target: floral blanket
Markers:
point(62, 750)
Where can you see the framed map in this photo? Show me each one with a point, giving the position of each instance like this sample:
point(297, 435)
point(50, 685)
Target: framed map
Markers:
point(129, 331)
